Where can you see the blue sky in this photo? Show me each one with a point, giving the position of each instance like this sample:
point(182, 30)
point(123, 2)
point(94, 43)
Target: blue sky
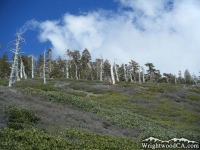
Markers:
point(163, 32)
point(15, 13)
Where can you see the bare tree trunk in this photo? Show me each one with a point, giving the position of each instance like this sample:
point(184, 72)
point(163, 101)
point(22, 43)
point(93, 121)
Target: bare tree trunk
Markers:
point(23, 70)
point(70, 70)
point(131, 77)
point(125, 73)
point(90, 68)
point(67, 69)
point(134, 77)
point(116, 70)
point(15, 70)
point(76, 72)
point(143, 80)
point(32, 72)
point(101, 70)
point(44, 75)
point(175, 79)
point(21, 75)
point(139, 75)
point(112, 75)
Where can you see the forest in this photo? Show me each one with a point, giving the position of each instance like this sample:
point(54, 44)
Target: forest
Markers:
point(76, 65)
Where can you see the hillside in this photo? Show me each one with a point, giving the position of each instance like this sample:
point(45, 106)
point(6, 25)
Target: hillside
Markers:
point(91, 114)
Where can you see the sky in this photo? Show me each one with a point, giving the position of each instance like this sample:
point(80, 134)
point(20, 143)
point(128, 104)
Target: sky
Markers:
point(163, 32)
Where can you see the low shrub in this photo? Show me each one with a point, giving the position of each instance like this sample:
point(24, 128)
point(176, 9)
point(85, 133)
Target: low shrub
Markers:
point(20, 118)
point(31, 139)
point(76, 86)
point(68, 139)
point(4, 82)
point(156, 89)
point(193, 97)
point(125, 84)
point(196, 90)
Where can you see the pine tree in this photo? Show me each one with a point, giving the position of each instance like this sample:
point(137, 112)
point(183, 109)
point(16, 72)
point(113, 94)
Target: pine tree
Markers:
point(75, 63)
point(121, 73)
point(85, 59)
point(49, 64)
point(180, 78)
point(187, 77)
point(97, 69)
point(27, 65)
point(39, 66)
point(150, 71)
point(134, 67)
point(4, 67)
point(58, 68)
point(106, 71)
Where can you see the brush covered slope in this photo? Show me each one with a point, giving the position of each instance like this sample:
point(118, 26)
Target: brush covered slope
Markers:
point(81, 114)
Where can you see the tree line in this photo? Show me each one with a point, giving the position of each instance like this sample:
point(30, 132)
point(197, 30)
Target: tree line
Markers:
point(76, 65)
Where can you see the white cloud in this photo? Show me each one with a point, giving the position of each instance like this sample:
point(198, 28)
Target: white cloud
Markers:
point(151, 31)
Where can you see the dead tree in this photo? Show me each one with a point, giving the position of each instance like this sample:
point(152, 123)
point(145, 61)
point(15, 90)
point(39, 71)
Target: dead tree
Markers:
point(116, 71)
point(101, 68)
point(112, 74)
point(15, 70)
point(44, 69)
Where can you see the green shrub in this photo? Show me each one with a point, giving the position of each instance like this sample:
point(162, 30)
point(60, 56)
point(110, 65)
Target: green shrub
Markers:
point(76, 86)
point(4, 81)
point(31, 139)
point(68, 139)
point(193, 97)
point(94, 91)
point(79, 94)
point(110, 92)
point(196, 90)
point(156, 89)
point(125, 84)
point(20, 118)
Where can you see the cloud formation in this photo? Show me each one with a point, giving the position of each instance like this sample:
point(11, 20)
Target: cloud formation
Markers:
point(165, 33)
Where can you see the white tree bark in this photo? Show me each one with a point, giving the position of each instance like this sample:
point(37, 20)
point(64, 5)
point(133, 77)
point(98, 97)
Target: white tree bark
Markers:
point(131, 77)
point(112, 75)
point(101, 69)
point(143, 80)
point(90, 68)
point(21, 65)
point(76, 72)
point(32, 72)
point(15, 70)
point(116, 72)
point(175, 79)
point(70, 71)
point(44, 75)
point(139, 75)
point(67, 69)
point(125, 73)
point(23, 70)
